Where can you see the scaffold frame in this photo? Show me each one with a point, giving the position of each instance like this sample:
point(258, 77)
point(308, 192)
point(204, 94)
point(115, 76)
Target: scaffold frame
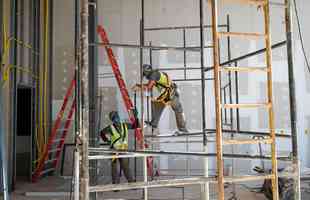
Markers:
point(82, 131)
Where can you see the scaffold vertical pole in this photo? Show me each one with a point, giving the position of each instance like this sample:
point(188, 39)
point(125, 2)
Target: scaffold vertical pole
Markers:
point(84, 135)
point(145, 178)
point(76, 174)
point(205, 186)
point(292, 95)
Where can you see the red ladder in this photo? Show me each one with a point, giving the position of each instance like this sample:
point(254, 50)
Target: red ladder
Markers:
point(48, 162)
point(125, 95)
point(122, 86)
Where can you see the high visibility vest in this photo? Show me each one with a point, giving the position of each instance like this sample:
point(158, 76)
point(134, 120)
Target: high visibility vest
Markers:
point(119, 140)
point(164, 86)
point(163, 82)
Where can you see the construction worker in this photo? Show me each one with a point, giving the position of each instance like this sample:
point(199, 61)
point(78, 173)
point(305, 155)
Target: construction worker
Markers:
point(169, 95)
point(116, 135)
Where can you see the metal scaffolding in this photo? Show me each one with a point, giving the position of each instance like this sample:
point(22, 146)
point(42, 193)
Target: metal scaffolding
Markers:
point(225, 107)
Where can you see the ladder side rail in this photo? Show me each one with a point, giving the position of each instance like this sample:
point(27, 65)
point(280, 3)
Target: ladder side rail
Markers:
point(275, 192)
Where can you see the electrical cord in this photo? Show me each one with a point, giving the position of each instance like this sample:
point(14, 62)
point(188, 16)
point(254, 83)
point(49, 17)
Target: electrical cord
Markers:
point(300, 35)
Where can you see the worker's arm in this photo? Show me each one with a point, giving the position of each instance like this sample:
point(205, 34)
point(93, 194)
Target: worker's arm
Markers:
point(105, 134)
point(147, 86)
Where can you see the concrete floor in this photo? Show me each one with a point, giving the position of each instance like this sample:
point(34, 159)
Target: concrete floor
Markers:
point(58, 184)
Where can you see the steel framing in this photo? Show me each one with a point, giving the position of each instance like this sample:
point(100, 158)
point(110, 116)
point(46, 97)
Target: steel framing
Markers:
point(87, 152)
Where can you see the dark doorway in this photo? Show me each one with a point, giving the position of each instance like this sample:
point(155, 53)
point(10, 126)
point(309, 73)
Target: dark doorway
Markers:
point(23, 133)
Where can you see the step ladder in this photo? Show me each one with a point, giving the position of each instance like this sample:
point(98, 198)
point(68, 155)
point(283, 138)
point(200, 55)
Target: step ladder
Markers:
point(51, 155)
point(125, 95)
point(267, 70)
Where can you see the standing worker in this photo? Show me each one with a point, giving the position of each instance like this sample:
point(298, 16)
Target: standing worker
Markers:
point(116, 135)
point(169, 95)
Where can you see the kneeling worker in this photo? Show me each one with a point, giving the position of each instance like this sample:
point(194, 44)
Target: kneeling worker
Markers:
point(116, 135)
point(169, 95)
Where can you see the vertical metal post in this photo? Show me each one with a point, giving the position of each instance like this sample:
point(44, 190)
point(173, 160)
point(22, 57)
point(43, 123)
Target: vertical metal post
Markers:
point(76, 174)
point(274, 181)
point(93, 90)
point(76, 63)
point(31, 57)
point(3, 153)
point(50, 63)
point(84, 191)
point(205, 186)
point(145, 190)
point(231, 112)
point(217, 91)
point(20, 35)
point(237, 98)
point(148, 96)
point(3, 173)
point(135, 141)
point(93, 69)
point(229, 73)
point(184, 53)
point(35, 83)
point(13, 91)
point(292, 94)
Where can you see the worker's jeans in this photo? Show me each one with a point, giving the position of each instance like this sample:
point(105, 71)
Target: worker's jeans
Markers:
point(124, 166)
point(175, 103)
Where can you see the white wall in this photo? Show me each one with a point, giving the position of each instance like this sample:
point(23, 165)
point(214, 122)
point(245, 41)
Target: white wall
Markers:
point(121, 20)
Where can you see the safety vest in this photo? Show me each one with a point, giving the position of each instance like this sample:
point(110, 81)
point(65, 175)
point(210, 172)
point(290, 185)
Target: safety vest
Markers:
point(119, 140)
point(164, 86)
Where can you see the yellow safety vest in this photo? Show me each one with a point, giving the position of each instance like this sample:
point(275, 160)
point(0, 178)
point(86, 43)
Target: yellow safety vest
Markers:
point(164, 86)
point(119, 140)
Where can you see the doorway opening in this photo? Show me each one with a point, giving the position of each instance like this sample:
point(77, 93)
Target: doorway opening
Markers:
point(24, 128)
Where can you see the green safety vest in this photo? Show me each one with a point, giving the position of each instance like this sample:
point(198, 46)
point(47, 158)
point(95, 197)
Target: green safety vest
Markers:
point(119, 140)
point(164, 86)
point(163, 82)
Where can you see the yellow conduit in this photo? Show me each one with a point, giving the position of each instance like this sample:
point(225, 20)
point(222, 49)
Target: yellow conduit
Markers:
point(21, 69)
point(5, 68)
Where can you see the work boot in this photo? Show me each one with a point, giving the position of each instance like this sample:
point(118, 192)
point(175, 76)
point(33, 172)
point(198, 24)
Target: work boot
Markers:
point(149, 124)
point(181, 131)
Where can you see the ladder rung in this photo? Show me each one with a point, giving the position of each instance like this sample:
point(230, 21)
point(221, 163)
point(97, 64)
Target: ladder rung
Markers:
point(50, 161)
point(248, 178)
point(248, 105)
point(54, 150)
point(58, 140)
point(251, 141)
point(47, 171)
point(245, 69)
point(252, 2)
point(240, 34)
point(62, 129)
